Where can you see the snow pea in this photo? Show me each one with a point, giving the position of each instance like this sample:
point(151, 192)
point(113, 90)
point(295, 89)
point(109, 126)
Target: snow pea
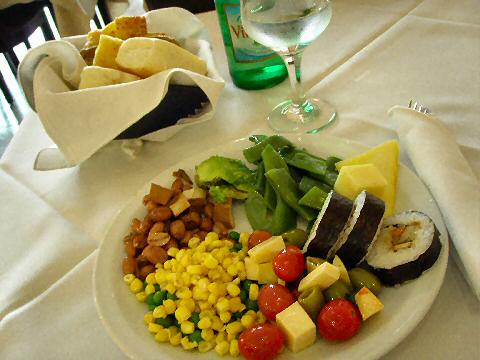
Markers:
point(287, 188)
point(271, 160)
point(260, 178)
point(257, 138)
point(305, 161)
point(314, 198)
point(306, 183)
point(331, 161)
point(254, 153)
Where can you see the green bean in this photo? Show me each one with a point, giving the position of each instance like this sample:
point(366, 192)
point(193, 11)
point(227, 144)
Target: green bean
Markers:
point(305, 161)
point(331, 161)
point(314, 198)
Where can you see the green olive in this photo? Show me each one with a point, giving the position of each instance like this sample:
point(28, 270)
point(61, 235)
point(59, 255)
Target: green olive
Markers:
point(363, 278)
point(296, 237)
point(337, 290)
point(313, 262)
point(312, 301)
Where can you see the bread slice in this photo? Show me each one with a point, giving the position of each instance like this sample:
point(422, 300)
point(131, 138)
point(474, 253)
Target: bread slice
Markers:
point(146, 56)
point(106, 52)
point(95, 76)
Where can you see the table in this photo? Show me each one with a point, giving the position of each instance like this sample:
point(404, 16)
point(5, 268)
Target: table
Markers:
point(375, 54)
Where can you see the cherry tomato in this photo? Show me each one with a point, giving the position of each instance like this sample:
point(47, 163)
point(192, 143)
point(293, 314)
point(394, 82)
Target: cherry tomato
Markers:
point(262, 342)
point(289, 264)
point(339, 319)
point(257, 237)
point(274, 298)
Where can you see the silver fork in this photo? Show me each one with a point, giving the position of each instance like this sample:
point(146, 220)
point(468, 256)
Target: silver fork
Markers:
point(418, 107)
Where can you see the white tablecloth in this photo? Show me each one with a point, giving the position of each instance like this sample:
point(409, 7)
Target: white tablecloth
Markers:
point(375, 54)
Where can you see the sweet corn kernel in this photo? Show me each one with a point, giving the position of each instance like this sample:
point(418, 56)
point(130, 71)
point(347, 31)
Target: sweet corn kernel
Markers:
point(208, 334)
point(195, 269)
point(159, 312)
point(217, 288)
point(252, 313)
point(184, 293)
point(167, 265)
point(170, 288)
point(227, 262)
point(203, 283)
point(210, 262)
point(207, 313)
point(221, 336)
point(222, 348)
point(169, 306)
point(234, 327)
point(225, 316)
point(240, 267)
point(201, 248)
point(182, 313)
point(233, 289)
point(172, 331)
point(212, 299)
point(215, 244)
point(234, 350)
point(129, 278)
point(223, 305)
point(175, 340)
point(187, 327)
point(154, 328)
point(205, 346)
point(205, 305)
point(199, 294)
point(193, 242)
point(236, 281)
point(188, 303)
point(186, 260)
point(180, 254)
point(211, 236)
point(141, 296)
point(161, 276)
point(136, 286)
point(235, 304)
point(172, 252)
point(150, 279)
point(253, 292)
point(217, 323)
point(162, 335)
point(148, 317)
point(150, 289)
point(226, 278)
point(247, 321)
point(244, 238)
point(231, 337)
point(187, 344)
point(186, 278)
point(214, 274)
point(204, 323)
point(260, 317)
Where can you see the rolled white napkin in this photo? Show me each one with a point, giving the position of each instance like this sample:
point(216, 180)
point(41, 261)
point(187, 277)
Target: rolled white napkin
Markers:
point(81, 121)
point(442, 167)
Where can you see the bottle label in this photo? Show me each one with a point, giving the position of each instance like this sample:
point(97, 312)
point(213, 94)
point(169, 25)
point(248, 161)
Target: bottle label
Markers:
point(245, 49)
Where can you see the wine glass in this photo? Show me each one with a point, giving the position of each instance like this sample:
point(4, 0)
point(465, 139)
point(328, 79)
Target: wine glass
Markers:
point(288, 27)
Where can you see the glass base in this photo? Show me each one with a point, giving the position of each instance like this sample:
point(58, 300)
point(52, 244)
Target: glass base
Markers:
point(311, 117)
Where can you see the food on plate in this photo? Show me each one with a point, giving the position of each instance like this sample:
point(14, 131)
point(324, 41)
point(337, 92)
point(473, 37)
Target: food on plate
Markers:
point(208, 287)
point(273, 299)
point(147, 56)
point(368, 304)
point(361, 230)
point(125, 45)
point(262, 342)
point(353, 179)
point(95, 76)
point(407, 245)
point(300, 331)
point(339, 320)
point(385, 159)
point(328, 226)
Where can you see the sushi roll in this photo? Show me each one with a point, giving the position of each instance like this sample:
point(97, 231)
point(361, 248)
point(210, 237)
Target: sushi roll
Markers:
point(328, 226)
point(361, 230)
point(407, 245)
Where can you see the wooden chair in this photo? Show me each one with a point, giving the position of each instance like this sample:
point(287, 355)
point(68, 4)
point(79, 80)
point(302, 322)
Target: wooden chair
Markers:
point(194, 6)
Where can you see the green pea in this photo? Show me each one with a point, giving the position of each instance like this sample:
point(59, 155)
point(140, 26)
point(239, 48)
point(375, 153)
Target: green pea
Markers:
point(251, 304)
point(166, 322)
point(157, 287)
point(236, 247)
point(246, 285)
point(337, 290)
point(312, 301)
point(313, 262)
point(296, 237)
point(159, 296)
point(195, 318)
point(150, 299)
point(171, 296)
point(151, 307)
point(237, 315)
point(196, 336)
point(243, 295)
point(363, 278)
point(234, 235)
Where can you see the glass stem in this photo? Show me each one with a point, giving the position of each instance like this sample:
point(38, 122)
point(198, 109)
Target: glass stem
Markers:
point(292, 62)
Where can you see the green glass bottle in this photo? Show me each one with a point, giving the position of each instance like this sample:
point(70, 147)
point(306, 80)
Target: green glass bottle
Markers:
point(251, 65)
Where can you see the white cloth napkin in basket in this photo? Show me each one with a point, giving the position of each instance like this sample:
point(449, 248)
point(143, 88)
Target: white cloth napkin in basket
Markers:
point(442, 167)
point(82, 121)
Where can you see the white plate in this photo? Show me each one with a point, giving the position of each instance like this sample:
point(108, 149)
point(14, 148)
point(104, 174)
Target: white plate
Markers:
point(405, 306)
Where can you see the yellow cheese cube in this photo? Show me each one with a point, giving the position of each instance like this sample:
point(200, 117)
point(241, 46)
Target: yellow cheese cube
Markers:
point(353, 179)
point(299, 329)
point(95, 76)
point(367, 303)
point(267, 250)
point(323, 276)
point(251, 268)
point(385, 158)
point(343, 270)
point(266, 275)
point(106, 52)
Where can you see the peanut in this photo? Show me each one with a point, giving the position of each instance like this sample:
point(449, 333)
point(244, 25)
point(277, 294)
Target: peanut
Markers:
point(160, 213)
point(177, 229)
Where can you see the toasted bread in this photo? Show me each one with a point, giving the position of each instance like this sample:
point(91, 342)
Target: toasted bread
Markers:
point(95, 76)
